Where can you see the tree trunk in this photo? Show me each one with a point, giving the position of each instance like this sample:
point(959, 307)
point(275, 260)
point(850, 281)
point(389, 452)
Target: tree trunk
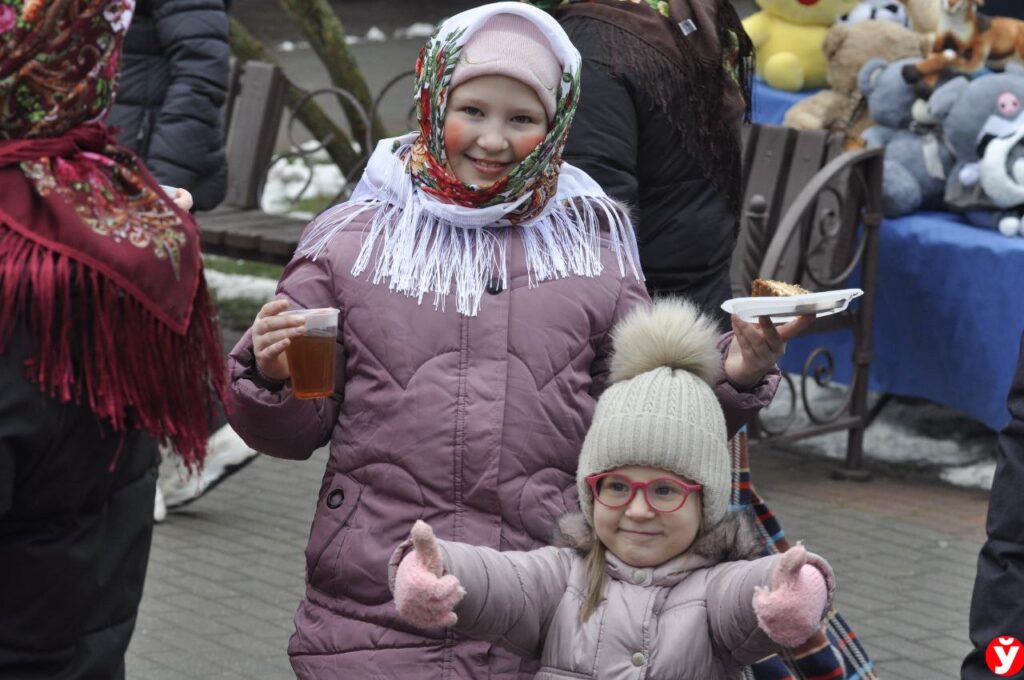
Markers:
point(336, 143)
point(321, 26)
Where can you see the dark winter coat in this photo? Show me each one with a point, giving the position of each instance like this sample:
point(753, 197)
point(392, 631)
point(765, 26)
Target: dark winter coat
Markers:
point(473, 424)
point(76, 521)
point(624, 138)
point(173, 85)
point(997, 607)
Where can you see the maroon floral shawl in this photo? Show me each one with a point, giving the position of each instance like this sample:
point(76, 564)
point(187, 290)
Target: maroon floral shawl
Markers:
point(95, 260)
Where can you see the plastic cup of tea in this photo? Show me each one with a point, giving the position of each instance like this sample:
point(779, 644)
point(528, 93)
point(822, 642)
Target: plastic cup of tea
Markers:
point(312, 355)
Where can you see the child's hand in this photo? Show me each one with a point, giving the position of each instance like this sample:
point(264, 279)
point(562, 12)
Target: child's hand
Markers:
point(426, 598)
point(181, 197)
point(271, 333)
point(791, 611)
point(755, 348)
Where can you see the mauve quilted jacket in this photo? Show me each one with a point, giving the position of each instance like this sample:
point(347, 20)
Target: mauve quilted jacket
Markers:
point(473, 424)
point(691, 618)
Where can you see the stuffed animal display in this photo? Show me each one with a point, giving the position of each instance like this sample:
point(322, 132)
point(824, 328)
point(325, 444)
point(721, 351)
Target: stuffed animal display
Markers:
point(848, 47)
point(917, 161)
point(983, 122)
point(966, 41)
point(788, 37)
point(877, 10)
point(924, 15)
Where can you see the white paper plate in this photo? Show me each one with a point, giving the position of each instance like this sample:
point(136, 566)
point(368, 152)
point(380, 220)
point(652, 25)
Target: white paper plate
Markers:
point(782, 309)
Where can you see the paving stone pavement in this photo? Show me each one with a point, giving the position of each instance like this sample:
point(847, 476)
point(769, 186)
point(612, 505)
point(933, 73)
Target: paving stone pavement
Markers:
point(226, 572)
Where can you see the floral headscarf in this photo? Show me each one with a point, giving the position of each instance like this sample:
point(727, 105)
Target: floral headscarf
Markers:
point(58, 63)
point(430, 234)
point(81, 216)
point(537, 174)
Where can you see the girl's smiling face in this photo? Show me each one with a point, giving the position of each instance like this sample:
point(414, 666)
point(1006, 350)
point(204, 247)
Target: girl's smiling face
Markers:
point(491, 124)
point(641, 536)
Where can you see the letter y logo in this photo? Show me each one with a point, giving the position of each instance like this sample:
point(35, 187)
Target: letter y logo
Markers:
point(1004, 656)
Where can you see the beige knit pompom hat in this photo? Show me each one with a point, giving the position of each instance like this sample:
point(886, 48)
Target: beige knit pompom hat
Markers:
point(660, 409)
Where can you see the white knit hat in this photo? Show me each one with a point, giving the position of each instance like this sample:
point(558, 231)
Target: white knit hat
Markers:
point(661, 410)
point(513, 46)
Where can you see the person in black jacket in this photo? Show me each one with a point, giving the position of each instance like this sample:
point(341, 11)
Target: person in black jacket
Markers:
point(174, 78)
point(108, 344)
point(658, 126)
point(997, 606)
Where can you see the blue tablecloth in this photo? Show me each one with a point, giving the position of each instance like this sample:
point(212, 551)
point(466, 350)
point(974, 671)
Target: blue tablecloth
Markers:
point(770, 105)
point(948, 316)
point(949, 309)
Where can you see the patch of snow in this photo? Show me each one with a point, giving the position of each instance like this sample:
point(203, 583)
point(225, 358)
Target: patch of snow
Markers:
point(416, 30)
point(290, 180)
point(921, 434)
point(979, 475)
point(234, 286)
point(375, 35)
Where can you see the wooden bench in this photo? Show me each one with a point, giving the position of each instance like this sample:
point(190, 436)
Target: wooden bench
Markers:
point(811, 215)
point(238, 227)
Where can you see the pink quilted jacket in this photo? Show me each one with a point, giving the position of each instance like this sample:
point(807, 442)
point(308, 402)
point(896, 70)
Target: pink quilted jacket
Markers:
point(472, 424)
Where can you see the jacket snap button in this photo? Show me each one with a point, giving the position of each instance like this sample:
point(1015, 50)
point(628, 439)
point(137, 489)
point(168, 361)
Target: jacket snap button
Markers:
point(494, 286)
point(639, 577)
point(638, 659)
point(335, 498)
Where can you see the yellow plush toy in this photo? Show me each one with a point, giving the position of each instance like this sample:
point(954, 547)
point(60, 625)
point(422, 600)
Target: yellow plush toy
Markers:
point(787, 37)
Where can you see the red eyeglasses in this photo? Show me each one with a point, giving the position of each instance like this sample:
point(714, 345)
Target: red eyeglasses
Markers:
point(615, 490)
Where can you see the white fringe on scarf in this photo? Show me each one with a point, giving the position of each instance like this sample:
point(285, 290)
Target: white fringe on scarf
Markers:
point(419, 245)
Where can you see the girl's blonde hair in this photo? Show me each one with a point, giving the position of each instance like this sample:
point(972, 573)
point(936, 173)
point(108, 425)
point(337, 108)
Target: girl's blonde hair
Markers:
point(596, 565)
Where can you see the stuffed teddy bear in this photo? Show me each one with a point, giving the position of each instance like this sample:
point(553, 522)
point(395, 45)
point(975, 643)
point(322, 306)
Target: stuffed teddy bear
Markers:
point(847, 48)
point(924, 15)
point(917, 161)
point(787, 37)
point(983, 121)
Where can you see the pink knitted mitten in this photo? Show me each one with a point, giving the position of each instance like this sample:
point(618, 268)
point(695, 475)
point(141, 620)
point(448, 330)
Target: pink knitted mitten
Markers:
point(791, 611)
point(424, 596)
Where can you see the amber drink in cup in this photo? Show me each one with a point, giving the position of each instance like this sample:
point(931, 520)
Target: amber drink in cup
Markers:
point(311, 356)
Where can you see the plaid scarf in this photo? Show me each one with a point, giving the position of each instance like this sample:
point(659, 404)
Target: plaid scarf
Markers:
point(832, 654)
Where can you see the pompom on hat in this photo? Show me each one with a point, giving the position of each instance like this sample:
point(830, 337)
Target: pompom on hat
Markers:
point(661, 410)
point(513, 46)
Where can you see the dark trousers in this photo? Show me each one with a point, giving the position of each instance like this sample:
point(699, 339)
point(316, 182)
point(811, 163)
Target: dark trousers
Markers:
point(76, 523)
point(997, 606)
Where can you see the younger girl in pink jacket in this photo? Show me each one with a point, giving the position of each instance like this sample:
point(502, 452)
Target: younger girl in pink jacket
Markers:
point(658, 583)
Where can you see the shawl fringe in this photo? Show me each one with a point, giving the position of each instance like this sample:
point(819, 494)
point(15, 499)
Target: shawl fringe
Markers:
point(98, 346)
point(422, 253)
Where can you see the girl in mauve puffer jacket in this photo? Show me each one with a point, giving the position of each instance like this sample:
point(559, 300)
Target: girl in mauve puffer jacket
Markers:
point(469, 412)
point(655, 584)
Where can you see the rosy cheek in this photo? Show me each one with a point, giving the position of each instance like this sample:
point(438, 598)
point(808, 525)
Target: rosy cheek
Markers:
point(454, 131)
point(525, 144)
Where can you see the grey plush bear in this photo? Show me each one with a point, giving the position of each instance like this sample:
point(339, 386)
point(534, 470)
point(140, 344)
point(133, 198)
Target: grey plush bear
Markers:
point(917, 160)
point(983, 121)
